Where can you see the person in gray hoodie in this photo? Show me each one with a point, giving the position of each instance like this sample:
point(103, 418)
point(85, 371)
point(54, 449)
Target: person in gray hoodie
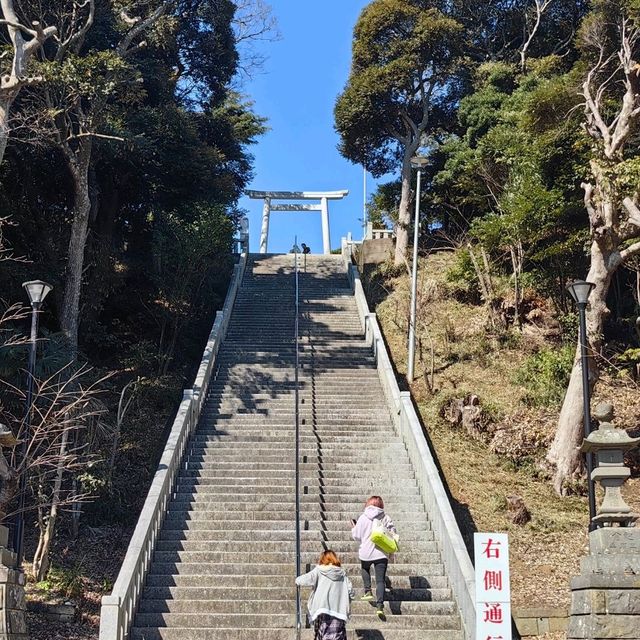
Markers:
point(369, 554)
point(330, 601)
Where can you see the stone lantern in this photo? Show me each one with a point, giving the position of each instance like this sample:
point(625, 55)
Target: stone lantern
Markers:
point(609, 445)
point(605, 597)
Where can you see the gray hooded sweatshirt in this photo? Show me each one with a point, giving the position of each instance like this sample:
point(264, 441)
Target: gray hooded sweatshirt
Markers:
point(332, 591)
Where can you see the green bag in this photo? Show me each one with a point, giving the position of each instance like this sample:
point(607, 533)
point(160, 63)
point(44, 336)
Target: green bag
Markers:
point(383, 538)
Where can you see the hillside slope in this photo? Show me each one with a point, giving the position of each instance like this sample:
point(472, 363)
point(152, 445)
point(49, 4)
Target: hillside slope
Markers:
point(489, 400)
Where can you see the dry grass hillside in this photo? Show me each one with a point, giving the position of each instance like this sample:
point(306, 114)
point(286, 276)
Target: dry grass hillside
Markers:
point(491, 452)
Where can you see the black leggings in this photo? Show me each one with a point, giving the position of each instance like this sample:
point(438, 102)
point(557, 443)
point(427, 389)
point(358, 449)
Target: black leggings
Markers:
point(380, 567)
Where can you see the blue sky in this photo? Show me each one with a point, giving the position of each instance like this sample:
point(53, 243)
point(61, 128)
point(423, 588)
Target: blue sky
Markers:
point(303, 75)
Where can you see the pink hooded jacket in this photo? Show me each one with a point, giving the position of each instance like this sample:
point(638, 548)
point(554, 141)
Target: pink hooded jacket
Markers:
point(361, 533)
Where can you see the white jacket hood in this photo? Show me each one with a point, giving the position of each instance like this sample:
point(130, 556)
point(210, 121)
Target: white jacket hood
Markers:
point(374, 512)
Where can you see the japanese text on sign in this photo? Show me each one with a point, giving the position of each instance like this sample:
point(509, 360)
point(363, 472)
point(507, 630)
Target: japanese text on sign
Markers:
point(493, 592)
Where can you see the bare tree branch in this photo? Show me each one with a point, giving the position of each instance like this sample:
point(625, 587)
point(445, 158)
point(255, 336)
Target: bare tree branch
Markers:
point(541, 7)
point(140, 25)
point(633, 210)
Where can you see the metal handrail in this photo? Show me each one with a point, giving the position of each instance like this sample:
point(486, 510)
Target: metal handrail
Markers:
point(297, 445)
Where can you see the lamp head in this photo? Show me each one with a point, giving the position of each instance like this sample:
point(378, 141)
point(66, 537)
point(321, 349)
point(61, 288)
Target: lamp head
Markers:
point(580, 290)
point(419, 162)
point(37, 291)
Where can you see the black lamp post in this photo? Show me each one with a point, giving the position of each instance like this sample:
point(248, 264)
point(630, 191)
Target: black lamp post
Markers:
point(580, 291)
point(37, 291)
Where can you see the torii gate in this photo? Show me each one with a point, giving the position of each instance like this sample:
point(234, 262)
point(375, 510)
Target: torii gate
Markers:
point(323, 207)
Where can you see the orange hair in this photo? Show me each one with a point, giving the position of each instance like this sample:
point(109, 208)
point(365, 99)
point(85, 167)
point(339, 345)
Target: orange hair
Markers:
point(375, 501)
point(329, 557)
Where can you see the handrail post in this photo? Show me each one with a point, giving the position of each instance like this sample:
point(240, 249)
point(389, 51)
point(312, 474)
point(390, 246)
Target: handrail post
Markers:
point(110, 621)
point(297, 436)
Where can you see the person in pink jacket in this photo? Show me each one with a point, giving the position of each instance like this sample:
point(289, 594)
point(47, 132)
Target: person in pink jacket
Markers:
point(369, 554)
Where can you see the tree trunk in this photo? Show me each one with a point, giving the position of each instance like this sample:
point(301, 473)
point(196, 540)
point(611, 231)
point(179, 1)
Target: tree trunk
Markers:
point(404, 214)
point(69, 319)
point(564, 453)
point(6, 102)
point(41, 558)
point(101, 250)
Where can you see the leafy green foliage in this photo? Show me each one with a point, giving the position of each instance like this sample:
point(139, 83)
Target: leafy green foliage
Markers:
point(462, 275)
point(403, 56)
point(170, 138)
point(545, 375)
point(382, 207)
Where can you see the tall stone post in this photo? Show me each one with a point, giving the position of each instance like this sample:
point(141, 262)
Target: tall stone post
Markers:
point(13, 608)
point(605, 597)
point(326, 235)
point(264, 233)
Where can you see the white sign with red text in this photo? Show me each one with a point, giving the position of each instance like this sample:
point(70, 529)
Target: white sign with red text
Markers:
point(493, 590)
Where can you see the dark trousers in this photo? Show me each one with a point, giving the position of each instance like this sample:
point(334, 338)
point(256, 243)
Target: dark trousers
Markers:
point(380, 567)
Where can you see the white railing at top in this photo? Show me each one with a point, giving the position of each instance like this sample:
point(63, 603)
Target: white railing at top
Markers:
point(119, 608)
point(454, 552)
point(378, 234)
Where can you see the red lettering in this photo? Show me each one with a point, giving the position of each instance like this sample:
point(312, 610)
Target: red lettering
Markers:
point(491, 549)
point(493, 580)
point(493, 612)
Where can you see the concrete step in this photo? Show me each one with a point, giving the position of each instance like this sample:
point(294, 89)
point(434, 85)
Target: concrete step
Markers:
point(255, 605)
point(350, 494)
point(307, 500)
point(286, 417)
point(283, 536)
point(308, 546)
point(349, 386)
point(184, 520)
point(195, 594)
point(353, 633)
point(403, 521)
point(208, 503)
point(278, 432)
point(216, 454)
point(306, 395)
point(363, 487)
point(277, 620)
point(305, 466)
point(275, 557)
point(327, 437)
point(305, 360)
point(286, 501)
point(281, 581)
point(312, 451)
point(237, 568)
point(386, 476)
point(323, 403)
point(328, 449)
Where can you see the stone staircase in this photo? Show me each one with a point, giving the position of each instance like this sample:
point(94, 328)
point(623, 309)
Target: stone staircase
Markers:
point(224, 565)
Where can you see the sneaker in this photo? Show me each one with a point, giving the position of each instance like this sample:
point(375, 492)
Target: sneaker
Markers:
point(368, 596)
point(380, 614)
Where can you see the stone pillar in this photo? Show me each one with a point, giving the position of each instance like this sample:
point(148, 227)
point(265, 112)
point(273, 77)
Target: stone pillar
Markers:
point(605, 597)
point(13, 607)
point(264, 234)
point(326, 236)
point(244, 234)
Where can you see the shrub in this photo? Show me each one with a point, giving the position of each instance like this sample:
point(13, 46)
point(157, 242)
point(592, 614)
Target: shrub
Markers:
point(545, 375)
point(462, 276)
